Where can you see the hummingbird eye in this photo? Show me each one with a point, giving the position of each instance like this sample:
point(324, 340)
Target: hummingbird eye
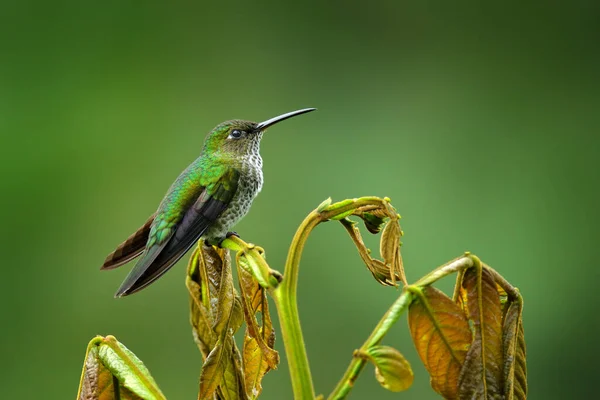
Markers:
point(236, 134)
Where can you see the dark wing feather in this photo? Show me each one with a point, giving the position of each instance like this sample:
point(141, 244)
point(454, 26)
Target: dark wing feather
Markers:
point(192, 226)
point(130, 248)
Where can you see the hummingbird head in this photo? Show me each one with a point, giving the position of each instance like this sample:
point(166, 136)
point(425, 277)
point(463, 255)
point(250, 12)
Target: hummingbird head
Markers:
point(239, 137)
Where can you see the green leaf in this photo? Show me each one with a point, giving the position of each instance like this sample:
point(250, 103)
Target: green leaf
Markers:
point(112, 372)
point(324, 204)
point(338, 205)
point(391, 368)
point(372, 221)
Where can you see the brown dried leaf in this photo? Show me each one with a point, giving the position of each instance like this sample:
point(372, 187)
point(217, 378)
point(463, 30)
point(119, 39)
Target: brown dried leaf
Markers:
point(213, 259)
point(213, 369)
point(515, 360)
point(380, 271)
point(441, 334)
point(200, 315)
point(392, 370)
point(221, 370)
point(482, 372)
point(216, 313)
point(232, 385)
point(259, 357)
point(255, 301)
point(255, 366)
point(389, 247)
point(226, 299)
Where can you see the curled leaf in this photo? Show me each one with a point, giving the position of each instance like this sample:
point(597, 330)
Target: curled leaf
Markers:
point(252, 261)
point(112, 372)
point(380, 271)
point(441, 334)
point(390, 250)
point(392, 370)
point(226, 299)
point(515, 361)
point(201, 316)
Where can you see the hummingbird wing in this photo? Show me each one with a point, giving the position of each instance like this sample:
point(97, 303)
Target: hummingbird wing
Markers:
point(168, 242)
point(130, 248)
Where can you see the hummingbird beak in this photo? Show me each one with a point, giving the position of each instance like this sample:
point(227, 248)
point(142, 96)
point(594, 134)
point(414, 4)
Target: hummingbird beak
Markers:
point(261, 126)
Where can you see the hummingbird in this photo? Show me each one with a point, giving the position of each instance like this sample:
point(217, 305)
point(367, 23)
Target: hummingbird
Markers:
point(207, 199)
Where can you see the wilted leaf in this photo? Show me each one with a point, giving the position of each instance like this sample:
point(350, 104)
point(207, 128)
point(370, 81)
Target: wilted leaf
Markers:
point(390, 250)
point(214, 368)
point(215, 314)
point(380, 271)
point(258, 354)
point(254, 299)
point(220, 369)
point(441, 334)
point(226, 299)
point(391, 368)
point(200, 311)
point(515, 361)
point(214, 259)
point(231, 386)
point(112, 372)
point(482, 373)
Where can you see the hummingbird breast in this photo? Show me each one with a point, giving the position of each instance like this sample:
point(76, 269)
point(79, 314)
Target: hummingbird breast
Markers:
point(249, 185)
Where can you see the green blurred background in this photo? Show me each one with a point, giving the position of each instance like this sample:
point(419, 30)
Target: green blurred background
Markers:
point(479, 121)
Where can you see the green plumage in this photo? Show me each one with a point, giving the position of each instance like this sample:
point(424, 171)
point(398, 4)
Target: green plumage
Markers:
point(205, 201)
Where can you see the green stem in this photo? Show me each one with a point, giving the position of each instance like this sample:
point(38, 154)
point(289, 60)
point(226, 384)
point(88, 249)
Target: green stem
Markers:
point(289, 319)
point(354, 369)
point(284, 295)
point(390, 318)
point(456, 265)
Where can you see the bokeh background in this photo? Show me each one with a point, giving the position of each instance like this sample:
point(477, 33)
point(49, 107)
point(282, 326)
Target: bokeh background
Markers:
point(479, 121)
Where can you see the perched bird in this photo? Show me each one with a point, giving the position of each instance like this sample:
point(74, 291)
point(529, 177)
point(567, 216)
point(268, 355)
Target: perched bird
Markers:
point(205, 201)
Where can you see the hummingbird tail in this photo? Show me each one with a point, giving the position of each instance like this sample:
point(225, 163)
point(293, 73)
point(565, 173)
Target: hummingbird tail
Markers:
point(152, 266)
point(130, 248)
